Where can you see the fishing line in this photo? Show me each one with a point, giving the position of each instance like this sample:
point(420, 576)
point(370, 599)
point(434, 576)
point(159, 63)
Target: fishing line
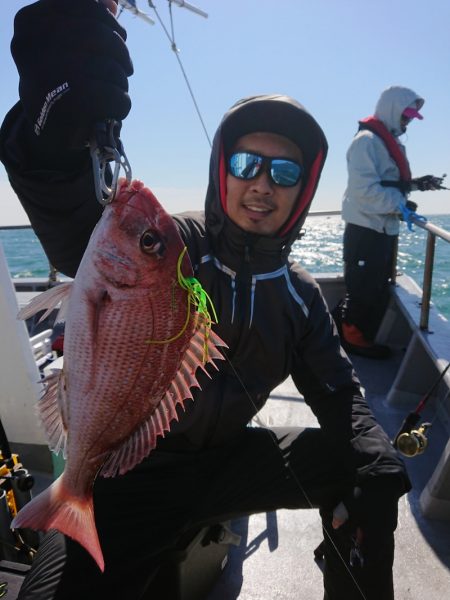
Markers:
point(199, 298)
point(295, 478)
point(247, 393)
point(439, 403)
point(176, 51)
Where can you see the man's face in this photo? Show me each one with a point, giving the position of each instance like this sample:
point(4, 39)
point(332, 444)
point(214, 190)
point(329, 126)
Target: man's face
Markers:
point(259, 205)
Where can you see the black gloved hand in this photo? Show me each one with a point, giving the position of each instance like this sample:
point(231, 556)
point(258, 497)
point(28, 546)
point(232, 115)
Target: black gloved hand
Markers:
point(369, 503)
point(410, 205)
point(426, 183)
point(73, 65)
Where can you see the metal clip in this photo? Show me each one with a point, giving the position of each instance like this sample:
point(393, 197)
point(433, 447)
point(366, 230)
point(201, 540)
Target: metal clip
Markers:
point(105, 147)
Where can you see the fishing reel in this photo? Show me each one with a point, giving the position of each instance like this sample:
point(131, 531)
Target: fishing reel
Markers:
point(411, 440)
point(438, 182)
point(15, 491)
point(414, 442)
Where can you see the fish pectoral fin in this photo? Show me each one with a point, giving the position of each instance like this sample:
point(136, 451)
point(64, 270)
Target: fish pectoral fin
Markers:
point(51, 410)
point(48, 301)
point(143, 440)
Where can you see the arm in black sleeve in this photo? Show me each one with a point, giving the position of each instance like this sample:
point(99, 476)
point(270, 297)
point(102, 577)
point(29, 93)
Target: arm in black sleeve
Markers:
point(60, 202)
point(325, 377)
point(73, 66)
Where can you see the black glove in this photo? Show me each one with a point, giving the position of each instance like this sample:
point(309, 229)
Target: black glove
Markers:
point(426, 183)
point(369, 503)
point(410, 205)
point(73, 66)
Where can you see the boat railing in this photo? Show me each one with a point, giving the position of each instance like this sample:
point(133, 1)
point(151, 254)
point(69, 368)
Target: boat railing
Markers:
point(433, 232)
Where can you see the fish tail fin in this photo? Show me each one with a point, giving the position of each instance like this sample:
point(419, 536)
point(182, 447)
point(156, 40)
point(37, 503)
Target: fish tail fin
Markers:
point(56, 508)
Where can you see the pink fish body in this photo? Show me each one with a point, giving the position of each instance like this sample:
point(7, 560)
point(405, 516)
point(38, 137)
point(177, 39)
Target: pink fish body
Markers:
point(133, 343)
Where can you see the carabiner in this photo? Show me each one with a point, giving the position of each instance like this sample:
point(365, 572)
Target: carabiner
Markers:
point(105, 147)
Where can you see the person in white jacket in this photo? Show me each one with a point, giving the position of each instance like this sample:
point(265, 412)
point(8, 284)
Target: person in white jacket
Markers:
point(379, 181)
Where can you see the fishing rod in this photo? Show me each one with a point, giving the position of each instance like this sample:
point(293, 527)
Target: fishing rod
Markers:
point(408, 440)
point(438, 181)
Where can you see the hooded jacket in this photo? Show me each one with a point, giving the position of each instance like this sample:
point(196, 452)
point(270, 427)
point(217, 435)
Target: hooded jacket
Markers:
point(366, 201)
point(271, 312)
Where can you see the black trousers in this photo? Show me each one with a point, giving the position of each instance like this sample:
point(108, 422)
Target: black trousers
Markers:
point(145, 511)
point(368, 261)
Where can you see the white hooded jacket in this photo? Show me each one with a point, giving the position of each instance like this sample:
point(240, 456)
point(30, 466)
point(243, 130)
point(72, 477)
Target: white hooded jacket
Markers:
point(366, 202)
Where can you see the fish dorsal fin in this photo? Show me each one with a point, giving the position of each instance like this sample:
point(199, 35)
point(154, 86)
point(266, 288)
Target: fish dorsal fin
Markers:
point(144, 439)
point(47, 301)
point(51, 408)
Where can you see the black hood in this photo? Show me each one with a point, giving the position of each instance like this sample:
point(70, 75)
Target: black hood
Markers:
point(275, 114)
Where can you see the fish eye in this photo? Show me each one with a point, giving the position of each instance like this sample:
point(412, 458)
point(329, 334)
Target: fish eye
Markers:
point(151, 242)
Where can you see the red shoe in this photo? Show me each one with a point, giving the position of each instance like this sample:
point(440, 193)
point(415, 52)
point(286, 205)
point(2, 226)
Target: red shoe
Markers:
point(354, 342)
point(354, 336)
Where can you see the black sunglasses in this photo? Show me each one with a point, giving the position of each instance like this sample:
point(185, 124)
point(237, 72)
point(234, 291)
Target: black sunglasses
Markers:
point(282, 171)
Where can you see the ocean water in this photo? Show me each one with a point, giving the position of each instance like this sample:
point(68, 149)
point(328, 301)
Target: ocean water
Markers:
point(319, 250)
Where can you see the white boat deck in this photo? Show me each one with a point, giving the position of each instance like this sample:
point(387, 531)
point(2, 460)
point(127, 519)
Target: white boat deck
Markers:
point(275, 559)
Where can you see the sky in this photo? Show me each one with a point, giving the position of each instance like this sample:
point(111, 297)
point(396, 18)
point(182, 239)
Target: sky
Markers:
point(334, 56)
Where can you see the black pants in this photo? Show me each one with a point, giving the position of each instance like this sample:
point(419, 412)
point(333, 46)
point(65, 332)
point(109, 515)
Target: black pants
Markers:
point(140, 514)
point(368, 260)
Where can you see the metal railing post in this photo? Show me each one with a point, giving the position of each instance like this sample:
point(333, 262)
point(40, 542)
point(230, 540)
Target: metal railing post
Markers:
point(427, 281)
point(394, 261)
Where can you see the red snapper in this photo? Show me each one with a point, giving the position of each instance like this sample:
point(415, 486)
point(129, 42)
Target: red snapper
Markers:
point(135, 335)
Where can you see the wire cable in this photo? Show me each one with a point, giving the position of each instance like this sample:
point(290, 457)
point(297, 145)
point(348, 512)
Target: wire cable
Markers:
point(171, 38)
point(176, 51)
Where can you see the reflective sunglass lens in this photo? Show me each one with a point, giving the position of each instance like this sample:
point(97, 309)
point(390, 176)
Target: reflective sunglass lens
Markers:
point(282, 171)
point(285, 172)
point(245, 165)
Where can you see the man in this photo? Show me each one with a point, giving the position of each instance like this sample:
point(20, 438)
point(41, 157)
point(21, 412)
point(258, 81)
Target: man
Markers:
point(266, 161)
point(379, 181)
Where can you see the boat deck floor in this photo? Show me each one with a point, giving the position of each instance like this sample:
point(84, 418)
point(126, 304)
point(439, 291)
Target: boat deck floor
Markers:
point(275, 559)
